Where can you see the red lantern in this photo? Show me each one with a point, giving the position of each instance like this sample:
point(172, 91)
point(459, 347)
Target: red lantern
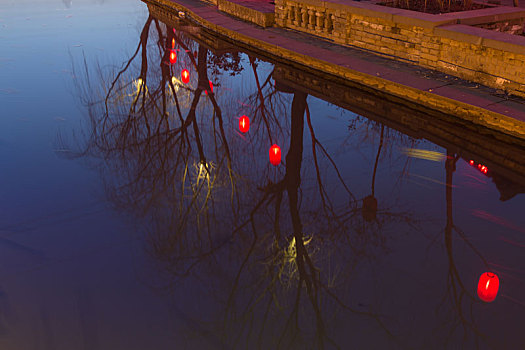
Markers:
point(185, 76)
point(173, 43)
point(275, 155)
point(173, 56)
point(244, 125)
point(488, 286)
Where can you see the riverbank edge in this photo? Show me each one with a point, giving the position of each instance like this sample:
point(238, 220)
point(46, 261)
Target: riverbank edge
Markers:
point(209, 17)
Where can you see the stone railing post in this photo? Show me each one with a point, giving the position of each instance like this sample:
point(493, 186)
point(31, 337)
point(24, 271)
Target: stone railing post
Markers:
point(329, 23)
point(304, 18)
point(297, 16)
point(311, 19)
point(289, 15)
point(319, 21)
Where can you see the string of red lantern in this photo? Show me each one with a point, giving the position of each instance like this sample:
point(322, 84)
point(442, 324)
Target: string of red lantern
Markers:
point(479, 166)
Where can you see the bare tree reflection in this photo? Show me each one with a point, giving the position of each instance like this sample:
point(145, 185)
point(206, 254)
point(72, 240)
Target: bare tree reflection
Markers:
point(461, 298)
point(217, 215)
point(370, 202)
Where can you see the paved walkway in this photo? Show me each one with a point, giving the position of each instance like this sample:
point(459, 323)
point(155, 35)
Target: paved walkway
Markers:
point(437, 90)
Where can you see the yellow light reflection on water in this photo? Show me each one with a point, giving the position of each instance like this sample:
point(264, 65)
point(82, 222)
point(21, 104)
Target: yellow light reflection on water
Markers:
point(204, 171)
point(139, 84)
point(424, 154)
point(288, 268)
point(176, 83)
point(291, 250)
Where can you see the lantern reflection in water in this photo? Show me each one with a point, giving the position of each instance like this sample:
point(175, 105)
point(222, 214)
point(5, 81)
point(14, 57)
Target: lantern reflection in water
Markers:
point(244, 124)
point(173, 56)
point(211, 87)
point(480, 167)
point(488, 286)
point(185, 75)
point(275, 155)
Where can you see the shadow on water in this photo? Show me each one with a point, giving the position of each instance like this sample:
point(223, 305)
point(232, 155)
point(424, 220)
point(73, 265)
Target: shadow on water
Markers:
point(287, 256)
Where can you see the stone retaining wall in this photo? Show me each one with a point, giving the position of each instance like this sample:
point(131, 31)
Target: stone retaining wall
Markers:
point(452, 43)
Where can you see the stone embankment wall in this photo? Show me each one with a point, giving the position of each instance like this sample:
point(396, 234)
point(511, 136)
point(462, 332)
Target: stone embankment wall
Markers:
point(453, 43)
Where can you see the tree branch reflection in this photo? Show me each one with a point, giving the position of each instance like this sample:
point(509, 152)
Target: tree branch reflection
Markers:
point(216, 215)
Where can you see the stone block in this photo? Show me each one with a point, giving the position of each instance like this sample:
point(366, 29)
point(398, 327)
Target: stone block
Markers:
point(430, 45)
point(371, 47)
point(386, 50)
point(458, 32)
point(389, 41)
point(420, 20)
point(358, 43)
point(428, 56)
point(369, 40)
point(398, 37)
point(505, 42)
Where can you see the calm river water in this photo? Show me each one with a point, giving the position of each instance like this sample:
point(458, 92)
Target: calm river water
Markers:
point(136, 211)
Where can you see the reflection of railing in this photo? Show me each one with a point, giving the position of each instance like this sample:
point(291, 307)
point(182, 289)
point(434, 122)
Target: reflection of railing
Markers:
point(503, 155)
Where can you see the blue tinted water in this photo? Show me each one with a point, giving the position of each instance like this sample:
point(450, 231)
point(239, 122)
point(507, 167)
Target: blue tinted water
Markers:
point(114, 237)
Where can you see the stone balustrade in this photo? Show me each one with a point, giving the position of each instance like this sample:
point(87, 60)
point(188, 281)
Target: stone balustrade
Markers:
point(309, 18)
point(454, 43)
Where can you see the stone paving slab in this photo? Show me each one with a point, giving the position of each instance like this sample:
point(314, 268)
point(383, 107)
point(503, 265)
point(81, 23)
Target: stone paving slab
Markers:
point(472, 102)
point(509, 107)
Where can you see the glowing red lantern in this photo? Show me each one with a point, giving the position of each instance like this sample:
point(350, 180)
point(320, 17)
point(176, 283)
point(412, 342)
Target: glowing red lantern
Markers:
point(173, 43)
point(244, 126)
point(185, 76)
point(173, 56)
point(275, 155)
point(488, 286)
point(481, 167)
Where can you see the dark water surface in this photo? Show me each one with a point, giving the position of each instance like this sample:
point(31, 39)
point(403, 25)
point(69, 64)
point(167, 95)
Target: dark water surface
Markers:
point(134, 214)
